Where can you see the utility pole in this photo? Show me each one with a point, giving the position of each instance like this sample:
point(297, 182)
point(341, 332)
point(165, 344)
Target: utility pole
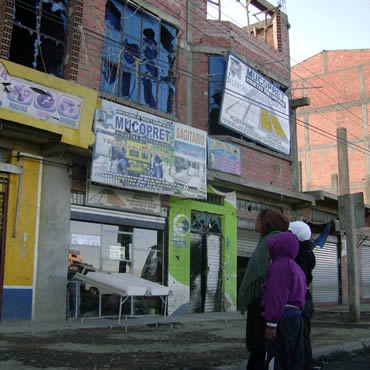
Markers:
point(350, 227)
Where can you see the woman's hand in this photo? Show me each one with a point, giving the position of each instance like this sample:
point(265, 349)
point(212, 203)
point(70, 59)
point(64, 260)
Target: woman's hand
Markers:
point(270, 334)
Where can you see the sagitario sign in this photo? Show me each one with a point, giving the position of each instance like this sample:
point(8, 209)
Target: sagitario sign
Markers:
point(137, 150)
point(254, 107)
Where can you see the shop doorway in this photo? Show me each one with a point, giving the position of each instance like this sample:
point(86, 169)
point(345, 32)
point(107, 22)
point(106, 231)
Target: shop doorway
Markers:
point(205, 273)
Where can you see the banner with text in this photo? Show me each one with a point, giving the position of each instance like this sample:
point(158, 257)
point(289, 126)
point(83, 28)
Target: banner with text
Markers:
point(254, 107)
point(39, 101)
point(137, 150)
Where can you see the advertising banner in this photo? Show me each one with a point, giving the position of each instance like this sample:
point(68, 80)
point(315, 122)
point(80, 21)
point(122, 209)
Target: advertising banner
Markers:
point(123, 199)
point(224, 157)
point(137, 150)
point(38, 101)
point(254, 107)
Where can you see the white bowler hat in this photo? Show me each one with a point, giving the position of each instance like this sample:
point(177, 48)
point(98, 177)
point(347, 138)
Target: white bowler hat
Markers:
point(301, 230)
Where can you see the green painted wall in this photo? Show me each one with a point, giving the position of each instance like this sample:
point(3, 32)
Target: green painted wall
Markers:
point(179, 242)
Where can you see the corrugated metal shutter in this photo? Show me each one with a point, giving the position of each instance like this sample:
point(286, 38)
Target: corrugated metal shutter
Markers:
point(195, 303)
point(247, 242)
point(365, 268)
point(325, 283)
point(214, 262)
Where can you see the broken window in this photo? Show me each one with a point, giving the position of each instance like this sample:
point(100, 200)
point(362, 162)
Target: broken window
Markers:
point(138, 57)
point(38, 36)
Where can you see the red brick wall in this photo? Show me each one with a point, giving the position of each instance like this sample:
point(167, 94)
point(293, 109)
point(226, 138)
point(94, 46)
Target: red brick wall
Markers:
point(89, 52)
point(6, 26)
point(266, 168)
point(344, 80)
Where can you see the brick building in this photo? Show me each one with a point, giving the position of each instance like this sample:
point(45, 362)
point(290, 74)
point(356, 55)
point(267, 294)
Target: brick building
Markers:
point(337, 83)
point(141, 137)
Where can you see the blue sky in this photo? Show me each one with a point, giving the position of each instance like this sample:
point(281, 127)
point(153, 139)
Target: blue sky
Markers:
point(317, 25)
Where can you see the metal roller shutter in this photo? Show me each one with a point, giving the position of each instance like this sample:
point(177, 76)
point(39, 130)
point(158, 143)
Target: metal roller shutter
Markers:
point(325, 283)
point(214, 262)
point(247, 241)
point(365, 269)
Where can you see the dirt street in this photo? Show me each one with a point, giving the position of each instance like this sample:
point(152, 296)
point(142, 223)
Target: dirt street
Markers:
point(201, 345)
point(204, 344)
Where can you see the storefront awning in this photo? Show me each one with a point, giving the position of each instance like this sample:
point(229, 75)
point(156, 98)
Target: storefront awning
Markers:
point(114, 217)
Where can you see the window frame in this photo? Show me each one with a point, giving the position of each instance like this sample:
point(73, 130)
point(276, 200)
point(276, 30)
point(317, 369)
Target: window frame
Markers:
point(147, 65)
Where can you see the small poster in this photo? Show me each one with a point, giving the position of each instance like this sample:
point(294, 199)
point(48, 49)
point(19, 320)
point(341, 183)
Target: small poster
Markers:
point(224, 157)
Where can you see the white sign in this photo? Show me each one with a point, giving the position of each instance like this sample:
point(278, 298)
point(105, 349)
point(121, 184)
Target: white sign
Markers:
point(254, 107)
point(137, 150)
point(39, 101)
point(116, 252)
point(85, 239)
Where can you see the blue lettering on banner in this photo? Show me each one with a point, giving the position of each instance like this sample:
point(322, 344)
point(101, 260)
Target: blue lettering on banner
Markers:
point(18, 107)
point(142, 129)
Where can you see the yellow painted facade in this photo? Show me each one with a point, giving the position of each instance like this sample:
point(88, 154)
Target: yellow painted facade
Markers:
point(21, 231)
point(81, 137)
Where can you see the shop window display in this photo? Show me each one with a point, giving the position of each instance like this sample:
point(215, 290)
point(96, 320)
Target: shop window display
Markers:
point(112, 249)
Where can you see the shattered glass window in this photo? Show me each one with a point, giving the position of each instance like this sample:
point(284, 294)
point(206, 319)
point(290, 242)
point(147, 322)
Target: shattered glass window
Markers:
point(204, 223)
point(217, 67)
point(139, 56)
point(39, 32)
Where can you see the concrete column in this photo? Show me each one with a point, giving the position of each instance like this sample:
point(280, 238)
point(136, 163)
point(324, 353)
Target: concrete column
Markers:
point(349, 221)
point(52, 254)
point(294, 104)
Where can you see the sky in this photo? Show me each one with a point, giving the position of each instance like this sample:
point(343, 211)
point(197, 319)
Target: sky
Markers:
point(316, 25)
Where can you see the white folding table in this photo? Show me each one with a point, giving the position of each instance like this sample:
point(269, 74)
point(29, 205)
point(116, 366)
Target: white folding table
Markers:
point(126, 286)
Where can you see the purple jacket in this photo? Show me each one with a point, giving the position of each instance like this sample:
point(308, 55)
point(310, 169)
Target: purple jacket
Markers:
point(285, 282)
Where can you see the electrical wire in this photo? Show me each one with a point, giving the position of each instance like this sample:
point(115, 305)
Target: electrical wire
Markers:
point(277, 61)
point(264, 51)
point(181, 71)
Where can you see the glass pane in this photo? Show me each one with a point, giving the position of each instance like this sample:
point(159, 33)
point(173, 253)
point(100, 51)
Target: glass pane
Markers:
point(148, 92)
point(147, 255)
point(50, 56)
point(131, 52)
point(166, 95)
point(84, 250)
point(108, 81)
point(150, 31)
point(25, 13)
point(116, 250)
point(166, 91)
point(129, 85)
point(113, 37)
point(168, 38)
point(113, 15)
point(217, 68)
point(203, 223)
point(22, 47)
point(54, 19)
point(149, 64)
point(132, 22)
point(111, 51)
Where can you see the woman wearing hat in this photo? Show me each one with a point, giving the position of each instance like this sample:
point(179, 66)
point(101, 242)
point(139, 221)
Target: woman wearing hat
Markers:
point(306, 260)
